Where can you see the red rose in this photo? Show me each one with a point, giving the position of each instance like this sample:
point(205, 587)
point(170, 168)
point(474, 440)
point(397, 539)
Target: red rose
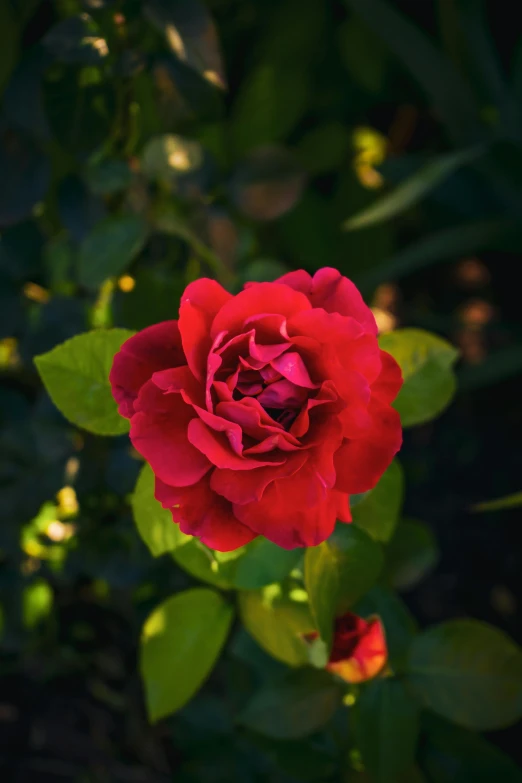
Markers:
point(359, 649)
point(261, 413)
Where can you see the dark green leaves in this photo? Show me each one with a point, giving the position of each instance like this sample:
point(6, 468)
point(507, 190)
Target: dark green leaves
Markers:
point(76, 375)
point(181, 641)
point(338, 572)
point(468, 672)
point(377, 513)
point(387, 727)
point(426, 362)
point(412, 190)
point(264, 563)
point(110, 248)
point(411, 554)
point(155, 524)
point(295, 706)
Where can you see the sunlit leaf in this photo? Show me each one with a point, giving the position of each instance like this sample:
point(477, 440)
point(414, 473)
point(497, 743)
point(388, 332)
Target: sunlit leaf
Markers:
point(76, 376)
point(180, 643)
point(339, 572)
point(426, 361)
point(378, 511)
point(155, 524)
point(469, 673)
point(278, 619)
point(37, 602)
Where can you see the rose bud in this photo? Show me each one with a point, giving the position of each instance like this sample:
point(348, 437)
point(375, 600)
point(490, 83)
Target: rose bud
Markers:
point(359, 649)
point(261, 413)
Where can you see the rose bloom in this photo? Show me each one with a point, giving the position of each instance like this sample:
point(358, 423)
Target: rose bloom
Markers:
point(261, 413)
point(359, 649)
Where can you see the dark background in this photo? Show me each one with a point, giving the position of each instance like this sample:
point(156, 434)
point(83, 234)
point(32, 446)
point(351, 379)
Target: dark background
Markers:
point(75, 120)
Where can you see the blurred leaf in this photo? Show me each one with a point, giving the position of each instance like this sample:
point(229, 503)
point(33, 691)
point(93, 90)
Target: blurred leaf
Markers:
point(399, 624)
point(37, 602)
point(23, 98)
point(79, 210)
point(429, 382)
point(296, 706)
point(76, 376)
point(270, 103)
point(264, 563)
point(509, 501)
point(448, 244)
point(262, 270)
point(413, 189)
point(171, 155)
point(191, 34)
point(363, 54)
point(449, 94)
point(267, 183)
point(155, 524)
point(309, 232)
point(81, 108)
point(26, 176)
point(469, 673)
point(387, 729)
point(378, 512)
point(180, 643)
point(411, 554)
point(76, 40)
point(497, 366)
point(8, 43)
point(277, 622)
point(484, 66)
point(110, 247)
point(154, 297)
point(450, 754)
point(109, 176)
point(324, 148)
point(338, 573)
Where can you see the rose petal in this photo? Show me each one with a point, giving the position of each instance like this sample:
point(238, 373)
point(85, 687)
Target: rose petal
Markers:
point(292, 367)
point(204, 514)
point(359, 463)
point(200, 302)
point(248, 487)
point(216, 447)
point(152, 349)
point(389, 382)
point(264, 298)
point(159, 433)
point(282, 394)
point(336, 294)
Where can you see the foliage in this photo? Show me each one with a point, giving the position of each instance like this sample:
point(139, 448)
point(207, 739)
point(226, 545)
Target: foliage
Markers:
point(143, 144)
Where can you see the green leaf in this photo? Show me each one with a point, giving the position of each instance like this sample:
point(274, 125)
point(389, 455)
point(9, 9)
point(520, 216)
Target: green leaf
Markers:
point(429, 382)
point(154, 523)
point(509, 501)
point(411, 554)
point(216, 568)
point(469, 673)
point(450, 754)
point(296, 706)
point(399, 625)
point(412, 190)
point(191, 34)
point(180, 643)
point(387, 729)
point(444, 245)
point(264, 563)
point(363, 54)
point(277, 617)
point(378, 512)
point(76, 376)
point(109, 248)
point(338, 573)
point(449, 94)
